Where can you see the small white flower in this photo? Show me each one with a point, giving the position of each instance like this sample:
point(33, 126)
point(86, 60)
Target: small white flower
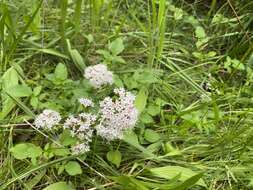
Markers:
point(81, 128)
point(117, 116)
point(71, 121)
point(98, 75)
point(86, 102)
point(109, 133)
point(47, 119)
point(80, 148)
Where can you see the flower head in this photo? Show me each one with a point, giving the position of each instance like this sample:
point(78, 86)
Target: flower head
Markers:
point(109, 133)
point(117, 116)
point(81, 148)
point(86, 102)
point(98, 75)
point(47, 119)
point(81, 127)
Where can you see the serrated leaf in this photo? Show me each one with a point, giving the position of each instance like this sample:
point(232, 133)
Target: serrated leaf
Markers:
point(117, 46)
point(73, 168)
point(151, 136)
point(26, 150)
point(114, 157)
point(59, 186)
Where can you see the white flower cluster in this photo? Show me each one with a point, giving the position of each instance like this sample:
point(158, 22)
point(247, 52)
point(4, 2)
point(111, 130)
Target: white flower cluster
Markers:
point(81, 127)
point(98, 75)
point(86, 102)
point(117, 116)
point(47, 119)
point(113, 119)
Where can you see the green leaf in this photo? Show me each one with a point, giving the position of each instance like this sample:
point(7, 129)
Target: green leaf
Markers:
point(59, 186)
point(178, 14)
point(36, 179)
point(34, 101)
point(73, 168)
point(200, 32)
point(131, 138)
point(151, 136)
point(153, 110)
point(145, 76)
point(190, 182)
point(10, 78)
point(114, 157)
point(117, 81)
point(105, 53)
point(53, 52)
point(60, 151)
point(76, 57)
point(19, 91)
point(154, 147)
point(66, 138)
point(146, 118)
point(141, 99)
point(128, 182)
point(61, 72)
point(168, 172)
point(60, 169)
point(117, 46)
point(26, 150)
point(27, 110)
point(170, 150)
point(89, 37)
point(37, 90)
point(118, 59)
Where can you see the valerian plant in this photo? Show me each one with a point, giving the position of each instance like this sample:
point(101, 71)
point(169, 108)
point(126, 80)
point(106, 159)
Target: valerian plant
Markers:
point(73, 133)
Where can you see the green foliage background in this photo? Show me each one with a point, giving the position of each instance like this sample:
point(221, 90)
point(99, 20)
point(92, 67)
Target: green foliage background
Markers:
point(189, 62)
